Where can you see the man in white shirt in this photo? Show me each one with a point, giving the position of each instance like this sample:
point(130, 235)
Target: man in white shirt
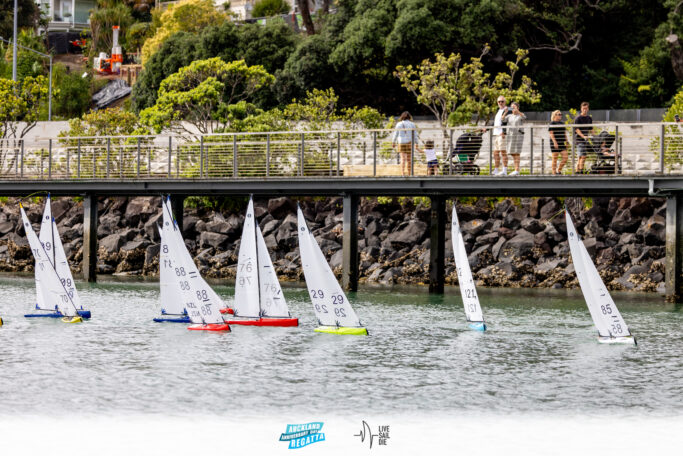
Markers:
point(499, 146)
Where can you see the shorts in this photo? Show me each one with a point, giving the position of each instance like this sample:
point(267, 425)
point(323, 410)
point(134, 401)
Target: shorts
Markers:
point(515, 144)
point(405, 148)
point(499, 142)
point(581, 149)
point(557, 150)
point(433, 164)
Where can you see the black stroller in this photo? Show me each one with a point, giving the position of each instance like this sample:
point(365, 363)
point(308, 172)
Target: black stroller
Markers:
point(607, 160)
point(465, 151)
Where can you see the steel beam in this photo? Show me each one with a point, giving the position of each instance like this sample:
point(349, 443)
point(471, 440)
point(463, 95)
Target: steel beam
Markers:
point(674, 248)
point(89, 264)
point(350, 243)
point(437, 245)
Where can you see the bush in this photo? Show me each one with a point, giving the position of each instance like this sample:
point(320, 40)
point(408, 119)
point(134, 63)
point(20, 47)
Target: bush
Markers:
point(73, 93)
point(267, 8)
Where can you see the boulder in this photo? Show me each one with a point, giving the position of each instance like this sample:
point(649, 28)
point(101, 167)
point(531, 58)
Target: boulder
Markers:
point(281, 207)
point(519, 247)
point(476, 226)
point(653, 231)
point(549, 209)
point(624, 221)
point(532, 225)
point(513, 219)
point(6, 227)
point(412, 233)
point(112, 243)
point(336, 259)
point(270, 227)
point(490, 238)
point(214, 240)
point(151, 227)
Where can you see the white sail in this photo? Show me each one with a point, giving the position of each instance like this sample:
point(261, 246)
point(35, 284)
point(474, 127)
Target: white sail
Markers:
point(49, 237)
point(602, 308)
point(45, 225)
point(329, 301)
point(273, 303)
point(200, 306)
point(468, 289)
point(247, 280)
point(54, 292)
point(187, 258)
point(171, 301)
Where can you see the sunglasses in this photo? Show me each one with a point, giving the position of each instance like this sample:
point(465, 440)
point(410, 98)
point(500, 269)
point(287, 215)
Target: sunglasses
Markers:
point(501, 101)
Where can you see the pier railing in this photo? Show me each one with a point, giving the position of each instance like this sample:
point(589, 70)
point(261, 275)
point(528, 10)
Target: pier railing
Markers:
point(622, 149)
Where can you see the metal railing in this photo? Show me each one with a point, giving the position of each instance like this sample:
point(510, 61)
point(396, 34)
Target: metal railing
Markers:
point(635, 149)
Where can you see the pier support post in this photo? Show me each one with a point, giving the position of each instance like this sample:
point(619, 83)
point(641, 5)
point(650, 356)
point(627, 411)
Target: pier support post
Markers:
point(674, 248)
point(350, 243)
point(89, 265)
point(177, 202)
point(437, 245)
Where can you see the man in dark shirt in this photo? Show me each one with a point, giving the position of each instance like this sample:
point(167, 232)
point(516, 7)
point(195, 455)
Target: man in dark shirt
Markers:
point(581, 135)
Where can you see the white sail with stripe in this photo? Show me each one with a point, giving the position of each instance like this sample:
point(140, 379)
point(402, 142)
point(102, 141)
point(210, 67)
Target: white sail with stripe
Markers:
point(329, 301)
point(171, 301)
point(53, 291)
point(602, 308)
point(468, 288)
point(273, 303)
point(247, 303)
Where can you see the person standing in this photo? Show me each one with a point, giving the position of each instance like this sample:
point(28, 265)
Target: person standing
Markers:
point(581, 135)
point(404, 135)
point(499, 152)
point(515, 134)
point(432, 161)
point(558, 141)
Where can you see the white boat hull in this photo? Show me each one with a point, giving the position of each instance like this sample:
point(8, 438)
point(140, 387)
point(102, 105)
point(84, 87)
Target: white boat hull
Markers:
point(627, 340)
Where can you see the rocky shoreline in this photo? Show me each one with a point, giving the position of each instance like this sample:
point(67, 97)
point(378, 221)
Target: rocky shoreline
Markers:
point(517, 242)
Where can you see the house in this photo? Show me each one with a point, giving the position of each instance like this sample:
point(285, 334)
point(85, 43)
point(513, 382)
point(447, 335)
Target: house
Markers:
point(67, 15)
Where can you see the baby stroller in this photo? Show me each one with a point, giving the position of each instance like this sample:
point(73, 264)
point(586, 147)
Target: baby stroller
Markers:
point(464, 153)
point(606, 159)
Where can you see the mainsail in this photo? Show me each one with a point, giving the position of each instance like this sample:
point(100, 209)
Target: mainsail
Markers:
point(602, 308)
point(468, 289)
point(329, 301)
point(247, 279)
point(171, 301)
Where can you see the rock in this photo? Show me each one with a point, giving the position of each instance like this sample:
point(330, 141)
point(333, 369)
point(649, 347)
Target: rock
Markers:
point(270, 227)
point(107, 224)
point(6, 227)
point(513, 219)
point(518, 247)
point(549, 209)
point(152, 254)
point(391, 275)
point(606, 256)
point(112, 243)
point(501, 208)
point(532, 225)
point(495, 250)
point(641, 207)
point(480, 257)
point(139, 209)
point(590, 244)
point(189, 224)
point(134, 245)
point(412, 233)
point(271, 243)
point(623, 221)
point(653, 231)
point(103, 268)
point(593, 229)
point(650, 253)
point(215, 240)
point(151, 227)
point(281, 207)
point(475, 227)
point(489, 238)
point(336, 259)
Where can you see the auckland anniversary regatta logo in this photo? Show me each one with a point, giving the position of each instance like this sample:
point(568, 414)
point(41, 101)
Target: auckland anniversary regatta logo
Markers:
point(300, 435)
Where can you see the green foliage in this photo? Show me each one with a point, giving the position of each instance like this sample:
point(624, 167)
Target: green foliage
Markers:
point(137, 34)
point(20, 103)
point(267, 8)
point(72, 95)
point(28, 63)
point(201, 94)
point(107, 14)
point(186, 16)
point(28, 16)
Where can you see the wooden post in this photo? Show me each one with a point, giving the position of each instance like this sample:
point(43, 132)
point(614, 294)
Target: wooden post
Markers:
point(350, 243)
point(89, 265)
point(674, 248)
point(438, 244)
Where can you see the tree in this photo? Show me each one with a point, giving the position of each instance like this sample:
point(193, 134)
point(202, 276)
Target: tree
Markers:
point(28, 16)
point(20, 104)
point(73, 94)
point(267, 8)
point(107, 14)
point(201, 94)
point(306, 16)
point(455, 93)
point(186, 15)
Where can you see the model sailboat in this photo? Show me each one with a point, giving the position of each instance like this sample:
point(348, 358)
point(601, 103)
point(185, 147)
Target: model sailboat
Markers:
point(50, 240)
point(172, 304)
point(611, 326)
point(258, 296)
point(468, 290)
point(334, 312)
point(50, 286)
point(202, 308)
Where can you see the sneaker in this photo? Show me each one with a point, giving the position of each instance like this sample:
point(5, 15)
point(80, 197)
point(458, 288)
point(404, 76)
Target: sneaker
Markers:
point(495, 172)
point(503, 172)
point(514, 173)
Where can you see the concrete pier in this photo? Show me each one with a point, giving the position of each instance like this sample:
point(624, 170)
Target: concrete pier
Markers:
point(674, 248)
point(437, 244)
point(89, 265)
point(350, 242)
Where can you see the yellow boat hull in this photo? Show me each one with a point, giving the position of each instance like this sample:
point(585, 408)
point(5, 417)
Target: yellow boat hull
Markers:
point(75, 319)
point(0, 321)
point(342, 330)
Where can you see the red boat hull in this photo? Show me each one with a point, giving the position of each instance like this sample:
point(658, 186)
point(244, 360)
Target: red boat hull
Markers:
point(210, 327)
point(267, 322)
point(227, 310)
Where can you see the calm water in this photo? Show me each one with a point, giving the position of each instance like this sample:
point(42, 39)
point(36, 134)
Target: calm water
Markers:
point(540, 355)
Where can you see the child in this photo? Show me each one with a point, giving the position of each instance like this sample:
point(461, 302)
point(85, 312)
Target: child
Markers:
point(432, 162)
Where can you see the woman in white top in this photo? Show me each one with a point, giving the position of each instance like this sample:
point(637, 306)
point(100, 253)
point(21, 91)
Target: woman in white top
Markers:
point(404, 135)
point(515, 134)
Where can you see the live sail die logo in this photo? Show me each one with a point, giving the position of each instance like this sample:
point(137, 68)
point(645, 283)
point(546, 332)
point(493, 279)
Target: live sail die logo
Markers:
point(366, 434)
point(301, 435)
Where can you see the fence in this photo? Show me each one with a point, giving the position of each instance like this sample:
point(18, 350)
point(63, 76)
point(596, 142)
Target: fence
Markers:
point(633, 149)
